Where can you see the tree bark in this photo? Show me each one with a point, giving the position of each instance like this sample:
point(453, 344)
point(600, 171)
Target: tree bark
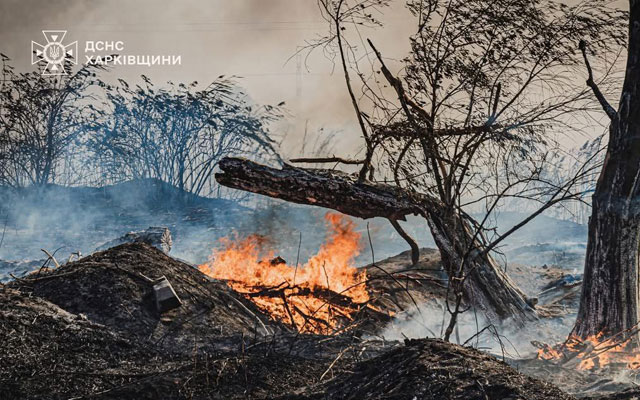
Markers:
point(490, 289)
point(487, 287)
point(610, 293)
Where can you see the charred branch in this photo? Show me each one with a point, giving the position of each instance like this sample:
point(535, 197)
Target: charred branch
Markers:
point(397, 86)
point(415, 249)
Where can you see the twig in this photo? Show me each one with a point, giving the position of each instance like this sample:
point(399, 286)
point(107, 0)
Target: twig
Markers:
point(267, 331)
point(333, 363)
point(325, 274)
point(51, 257)
point(286, 307)
point(295, 272)
point(373, 255)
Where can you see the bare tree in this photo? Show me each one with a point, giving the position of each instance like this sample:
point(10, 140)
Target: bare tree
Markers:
point(178, 133)
point(471, 119)
point(40, 120)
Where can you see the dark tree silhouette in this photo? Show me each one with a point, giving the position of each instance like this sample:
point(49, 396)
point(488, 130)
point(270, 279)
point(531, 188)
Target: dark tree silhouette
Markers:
point(177, 133)
point(40, 120)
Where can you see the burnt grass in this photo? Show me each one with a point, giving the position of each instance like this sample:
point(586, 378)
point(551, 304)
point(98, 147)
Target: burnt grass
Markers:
point(89, 329)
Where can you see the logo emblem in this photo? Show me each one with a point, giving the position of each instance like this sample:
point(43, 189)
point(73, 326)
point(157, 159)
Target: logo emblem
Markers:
point(54, 53)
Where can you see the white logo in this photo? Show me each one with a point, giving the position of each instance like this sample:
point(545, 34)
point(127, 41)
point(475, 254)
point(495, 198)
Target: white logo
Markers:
point(54, 53)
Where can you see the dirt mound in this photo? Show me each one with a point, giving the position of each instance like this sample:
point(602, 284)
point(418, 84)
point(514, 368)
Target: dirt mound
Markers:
point(110, 288)
point(433, 369)
point(48, 353)
point(90, 329)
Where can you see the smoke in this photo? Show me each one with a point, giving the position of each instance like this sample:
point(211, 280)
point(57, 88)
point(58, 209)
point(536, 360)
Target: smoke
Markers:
point(82, 218)
point(74, 219)
point(430, 320)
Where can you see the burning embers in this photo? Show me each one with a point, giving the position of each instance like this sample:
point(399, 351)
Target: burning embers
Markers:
point(595, 352)
point(322, 296)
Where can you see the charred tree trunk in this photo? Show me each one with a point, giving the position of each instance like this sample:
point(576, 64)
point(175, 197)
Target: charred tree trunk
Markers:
point(610, 292)
point(486, 287)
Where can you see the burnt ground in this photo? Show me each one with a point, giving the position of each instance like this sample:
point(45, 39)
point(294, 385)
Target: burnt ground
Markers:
point(110, 288)
point(434, 369)
point(89, 329)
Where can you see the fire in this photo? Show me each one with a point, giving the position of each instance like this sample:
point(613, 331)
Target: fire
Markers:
point(321, 296)
point(596, 351)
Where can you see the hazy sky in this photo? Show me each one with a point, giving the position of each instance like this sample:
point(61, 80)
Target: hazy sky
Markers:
point(250, 38)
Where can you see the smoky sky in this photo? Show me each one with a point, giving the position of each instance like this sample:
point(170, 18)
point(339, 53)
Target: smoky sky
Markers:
point(253, 39)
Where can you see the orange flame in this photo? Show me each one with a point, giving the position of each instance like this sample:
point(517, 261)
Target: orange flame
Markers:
point(596, 351)
point(319, 297)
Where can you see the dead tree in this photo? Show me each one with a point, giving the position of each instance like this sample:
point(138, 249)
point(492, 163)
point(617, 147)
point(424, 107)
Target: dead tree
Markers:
point(468, 123)
point(610, 292)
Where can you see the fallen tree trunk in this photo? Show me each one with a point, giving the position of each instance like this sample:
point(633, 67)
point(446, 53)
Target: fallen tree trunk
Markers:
point(487, 287)
point(325, 188)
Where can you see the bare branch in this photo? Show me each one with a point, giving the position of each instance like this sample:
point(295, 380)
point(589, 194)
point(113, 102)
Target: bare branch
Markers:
point(608, 109)
point(415, 250)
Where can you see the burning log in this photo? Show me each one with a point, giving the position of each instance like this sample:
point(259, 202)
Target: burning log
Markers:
point(156, 236)
point(328, 296)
